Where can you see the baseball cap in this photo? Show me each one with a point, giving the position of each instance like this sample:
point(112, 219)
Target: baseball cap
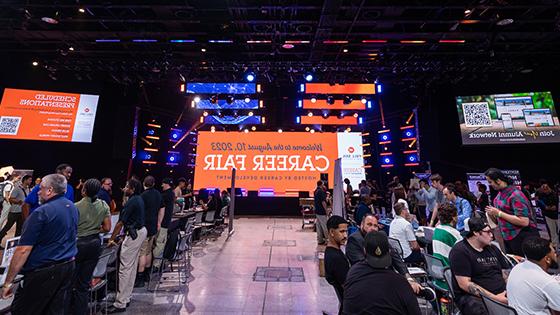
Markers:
point(377, 250)
point(167, 181)
point(476, 224)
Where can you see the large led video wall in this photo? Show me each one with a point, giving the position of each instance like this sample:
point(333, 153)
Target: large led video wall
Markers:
point(508, 118)
point(47, 116)
point(278, 162)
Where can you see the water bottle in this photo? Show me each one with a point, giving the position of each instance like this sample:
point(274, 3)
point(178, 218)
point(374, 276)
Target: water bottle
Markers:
point(444, 306)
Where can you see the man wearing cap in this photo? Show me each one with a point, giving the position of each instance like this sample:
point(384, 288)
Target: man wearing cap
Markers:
point(355, 250)
point(372, 287)
point(479, 268)
point(336, 264)
point(164, 218)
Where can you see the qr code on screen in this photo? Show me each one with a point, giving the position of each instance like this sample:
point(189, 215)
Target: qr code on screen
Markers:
point(9, 125)
point(477, 114)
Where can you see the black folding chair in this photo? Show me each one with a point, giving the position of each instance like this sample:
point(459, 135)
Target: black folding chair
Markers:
point(496, 308)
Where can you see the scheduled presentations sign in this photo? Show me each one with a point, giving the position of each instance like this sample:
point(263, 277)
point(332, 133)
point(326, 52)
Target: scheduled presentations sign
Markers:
point(49, 116)
point(289, 161)
point(508, 118)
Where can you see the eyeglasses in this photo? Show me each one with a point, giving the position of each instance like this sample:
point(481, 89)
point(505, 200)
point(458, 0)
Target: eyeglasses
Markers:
point(489, 231)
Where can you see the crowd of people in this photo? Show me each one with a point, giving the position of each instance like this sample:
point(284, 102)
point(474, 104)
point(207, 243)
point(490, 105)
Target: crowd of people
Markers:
point(490, 242)
point(61, 241)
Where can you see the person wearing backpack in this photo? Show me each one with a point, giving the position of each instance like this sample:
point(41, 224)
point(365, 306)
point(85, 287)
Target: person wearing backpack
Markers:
point(6, 187)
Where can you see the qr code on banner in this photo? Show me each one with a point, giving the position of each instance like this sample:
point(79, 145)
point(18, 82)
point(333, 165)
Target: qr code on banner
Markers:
point(9, 125)
point(477, 114)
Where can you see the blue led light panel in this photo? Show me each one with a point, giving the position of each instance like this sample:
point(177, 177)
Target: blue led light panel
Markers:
point(222, 104)
point(222, 88)
point(231, 120)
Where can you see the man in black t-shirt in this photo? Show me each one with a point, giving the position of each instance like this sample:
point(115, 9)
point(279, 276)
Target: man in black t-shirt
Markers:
point(372, 287)
point(478, 267)
point(164, 218)
point(336, 264)
point(320, 203)
point(152, 202)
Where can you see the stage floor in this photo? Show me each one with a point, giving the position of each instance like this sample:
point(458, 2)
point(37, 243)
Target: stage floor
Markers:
point(222, 275)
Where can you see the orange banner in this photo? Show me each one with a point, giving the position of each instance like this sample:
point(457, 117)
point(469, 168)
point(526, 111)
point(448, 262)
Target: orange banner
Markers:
point(349, 88)
point(330, 120)
point(338, 104)
point(289, 161)
point(42, 115)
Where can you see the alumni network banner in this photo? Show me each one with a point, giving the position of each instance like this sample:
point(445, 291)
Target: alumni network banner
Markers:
point(50, 116)
point(289, 161)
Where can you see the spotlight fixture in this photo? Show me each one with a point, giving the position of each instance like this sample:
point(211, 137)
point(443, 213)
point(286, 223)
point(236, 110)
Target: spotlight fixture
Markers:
point(348, 129)
point(229, 99)
point(330, 99)
point(250, 76)
point(246, 130)
point(279, 130)
point(203, 49)
point(310, 114)
point(205, 114)
point(504, 22)
point(247, 100)
point(308, 77)
point(214, 99)
point(347, 99)
point(71, 48)
point(345, 50)
point(82, 10)
point(312, 131)
point(288, 46)
point(313, 99)
point(35, 63)
point(197, 99)
point(253, 128)
point(467, 12)
point(306, 128)
point(250, 114)
point(356, 115)
point(364, 100)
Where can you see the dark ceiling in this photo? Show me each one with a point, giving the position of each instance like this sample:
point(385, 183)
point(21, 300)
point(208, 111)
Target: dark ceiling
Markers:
point(500, 36)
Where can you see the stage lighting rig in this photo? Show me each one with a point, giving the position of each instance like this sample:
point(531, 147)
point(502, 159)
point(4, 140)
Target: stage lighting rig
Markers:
point(330, 99)
point(230, 99)
point(308, 77)
point(250, 76)
point(347, 99)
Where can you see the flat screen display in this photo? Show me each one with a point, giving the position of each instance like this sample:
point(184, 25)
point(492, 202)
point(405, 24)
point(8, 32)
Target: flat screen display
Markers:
point(508, 118)
point(47, 116)
point(276, 162)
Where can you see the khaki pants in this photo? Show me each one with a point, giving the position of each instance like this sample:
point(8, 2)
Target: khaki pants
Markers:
point(553, 229)
point(128, 266)
point(161, 239)
point(5, 207)
point(321, 227)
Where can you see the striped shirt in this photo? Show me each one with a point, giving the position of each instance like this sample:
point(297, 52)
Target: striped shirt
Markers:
point(445, 237)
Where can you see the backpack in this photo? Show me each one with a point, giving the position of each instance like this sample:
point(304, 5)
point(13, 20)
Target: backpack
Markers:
point(2, 186)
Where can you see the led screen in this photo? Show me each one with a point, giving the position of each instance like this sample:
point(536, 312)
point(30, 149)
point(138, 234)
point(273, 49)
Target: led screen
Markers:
point(278, 162)
point(508, 118)
point(47, 116)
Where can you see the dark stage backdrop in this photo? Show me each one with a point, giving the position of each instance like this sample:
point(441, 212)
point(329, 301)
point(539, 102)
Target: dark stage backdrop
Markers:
point(108, 153)
point(441, 140)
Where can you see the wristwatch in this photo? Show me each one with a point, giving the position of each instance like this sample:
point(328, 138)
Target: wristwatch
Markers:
point(6, 285)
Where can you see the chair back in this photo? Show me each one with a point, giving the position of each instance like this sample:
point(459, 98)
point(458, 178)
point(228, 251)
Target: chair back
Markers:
point(198, 217)
point(102, 262)
point(210, 216)
point(496, 308)
point(396, 245)
point(448, 275)
point(435, 267)
point(428, 234)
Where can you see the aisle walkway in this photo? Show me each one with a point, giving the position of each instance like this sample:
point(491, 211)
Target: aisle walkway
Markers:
point(222, 275)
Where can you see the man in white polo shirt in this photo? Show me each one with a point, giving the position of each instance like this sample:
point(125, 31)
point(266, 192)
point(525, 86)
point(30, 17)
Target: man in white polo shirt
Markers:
point(530, 289)
point(402, 230)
